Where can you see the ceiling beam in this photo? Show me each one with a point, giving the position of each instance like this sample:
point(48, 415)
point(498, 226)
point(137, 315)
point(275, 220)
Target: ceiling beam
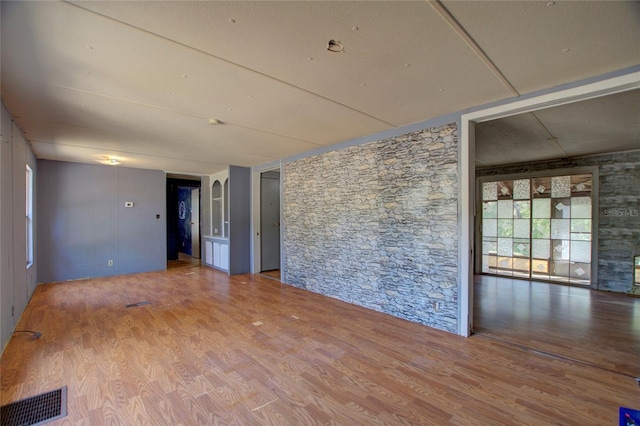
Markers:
point(481, 54)
point(472, 44)
point(235, 64)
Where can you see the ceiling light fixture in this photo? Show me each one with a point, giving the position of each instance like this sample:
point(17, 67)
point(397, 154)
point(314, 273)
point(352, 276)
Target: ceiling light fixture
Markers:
point(335, 46)
point(112, 161)
point(214, 121)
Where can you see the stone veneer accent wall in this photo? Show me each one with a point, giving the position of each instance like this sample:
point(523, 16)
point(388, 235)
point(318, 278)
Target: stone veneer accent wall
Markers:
point(618, 236)
point(376, 225)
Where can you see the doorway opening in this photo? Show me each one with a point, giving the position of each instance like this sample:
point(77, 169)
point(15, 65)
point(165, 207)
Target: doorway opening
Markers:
point(526, 235)
point(469, 129)
point(270, 224)
point(183, 221)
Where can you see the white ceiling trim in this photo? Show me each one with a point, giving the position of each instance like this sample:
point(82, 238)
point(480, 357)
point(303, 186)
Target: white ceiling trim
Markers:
point(575, 94)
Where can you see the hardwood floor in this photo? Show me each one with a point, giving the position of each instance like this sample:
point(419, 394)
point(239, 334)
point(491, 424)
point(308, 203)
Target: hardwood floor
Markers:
point(275, 274)
point(247, 350)
point(183, 260)
point(594, 327)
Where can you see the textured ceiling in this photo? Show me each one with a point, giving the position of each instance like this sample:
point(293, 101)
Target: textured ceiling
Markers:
point(595, 126)
point(140, 80)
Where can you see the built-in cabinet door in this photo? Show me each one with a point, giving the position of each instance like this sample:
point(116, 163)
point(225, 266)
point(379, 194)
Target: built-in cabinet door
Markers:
point(208, 253)
point(217, 254)
point(224, 257)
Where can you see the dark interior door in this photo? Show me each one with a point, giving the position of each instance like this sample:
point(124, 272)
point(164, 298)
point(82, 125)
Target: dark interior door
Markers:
point(270, 221)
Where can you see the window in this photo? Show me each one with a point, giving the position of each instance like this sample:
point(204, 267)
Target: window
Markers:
point(216, 208)
point(538, 228)
point(636, 261)
point(225, 204)
point(29, 215)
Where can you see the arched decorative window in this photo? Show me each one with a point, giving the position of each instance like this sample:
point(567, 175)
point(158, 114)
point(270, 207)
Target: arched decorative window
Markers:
point(225, 203)
point(216, 209)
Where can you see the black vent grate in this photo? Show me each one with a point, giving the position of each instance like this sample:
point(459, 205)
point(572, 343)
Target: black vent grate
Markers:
point(131, 305)
point(35, 410)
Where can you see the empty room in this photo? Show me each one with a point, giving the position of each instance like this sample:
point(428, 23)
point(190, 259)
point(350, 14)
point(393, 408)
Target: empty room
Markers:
point(320, 212)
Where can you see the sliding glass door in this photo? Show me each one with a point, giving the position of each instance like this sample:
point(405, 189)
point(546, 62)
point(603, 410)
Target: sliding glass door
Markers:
point(538, 227)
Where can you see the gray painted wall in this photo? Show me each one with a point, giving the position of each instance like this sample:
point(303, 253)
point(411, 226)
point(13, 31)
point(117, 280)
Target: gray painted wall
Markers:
point(376, 225)
point(205, 208)
point(619, 188)
point(85, 222)
point(239, 220)
point(17, 282)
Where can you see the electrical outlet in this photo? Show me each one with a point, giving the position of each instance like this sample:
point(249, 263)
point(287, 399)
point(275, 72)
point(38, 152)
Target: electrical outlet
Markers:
point(110, 262)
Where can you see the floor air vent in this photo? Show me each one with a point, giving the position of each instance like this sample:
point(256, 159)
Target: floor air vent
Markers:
point(35, 410)
point(131, 305)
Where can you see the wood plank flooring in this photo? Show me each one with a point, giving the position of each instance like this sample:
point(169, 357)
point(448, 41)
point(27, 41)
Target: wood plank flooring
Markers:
point(247, 350)
point(593, 327)
point(275, 274)
point(184, 260)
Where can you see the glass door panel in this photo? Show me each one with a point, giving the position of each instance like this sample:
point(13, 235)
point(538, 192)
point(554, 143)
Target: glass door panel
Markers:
point(489, 227)
point(540, 228)
point(505, 228)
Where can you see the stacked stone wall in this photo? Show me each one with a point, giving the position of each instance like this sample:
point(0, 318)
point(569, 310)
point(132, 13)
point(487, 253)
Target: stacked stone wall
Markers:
point(376, 225)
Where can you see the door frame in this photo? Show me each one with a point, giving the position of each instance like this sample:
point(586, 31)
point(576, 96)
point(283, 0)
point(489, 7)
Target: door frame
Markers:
point(255, 215)
point(580, 92)
point(197, 225)
point(273, 235)
point(173, 180)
